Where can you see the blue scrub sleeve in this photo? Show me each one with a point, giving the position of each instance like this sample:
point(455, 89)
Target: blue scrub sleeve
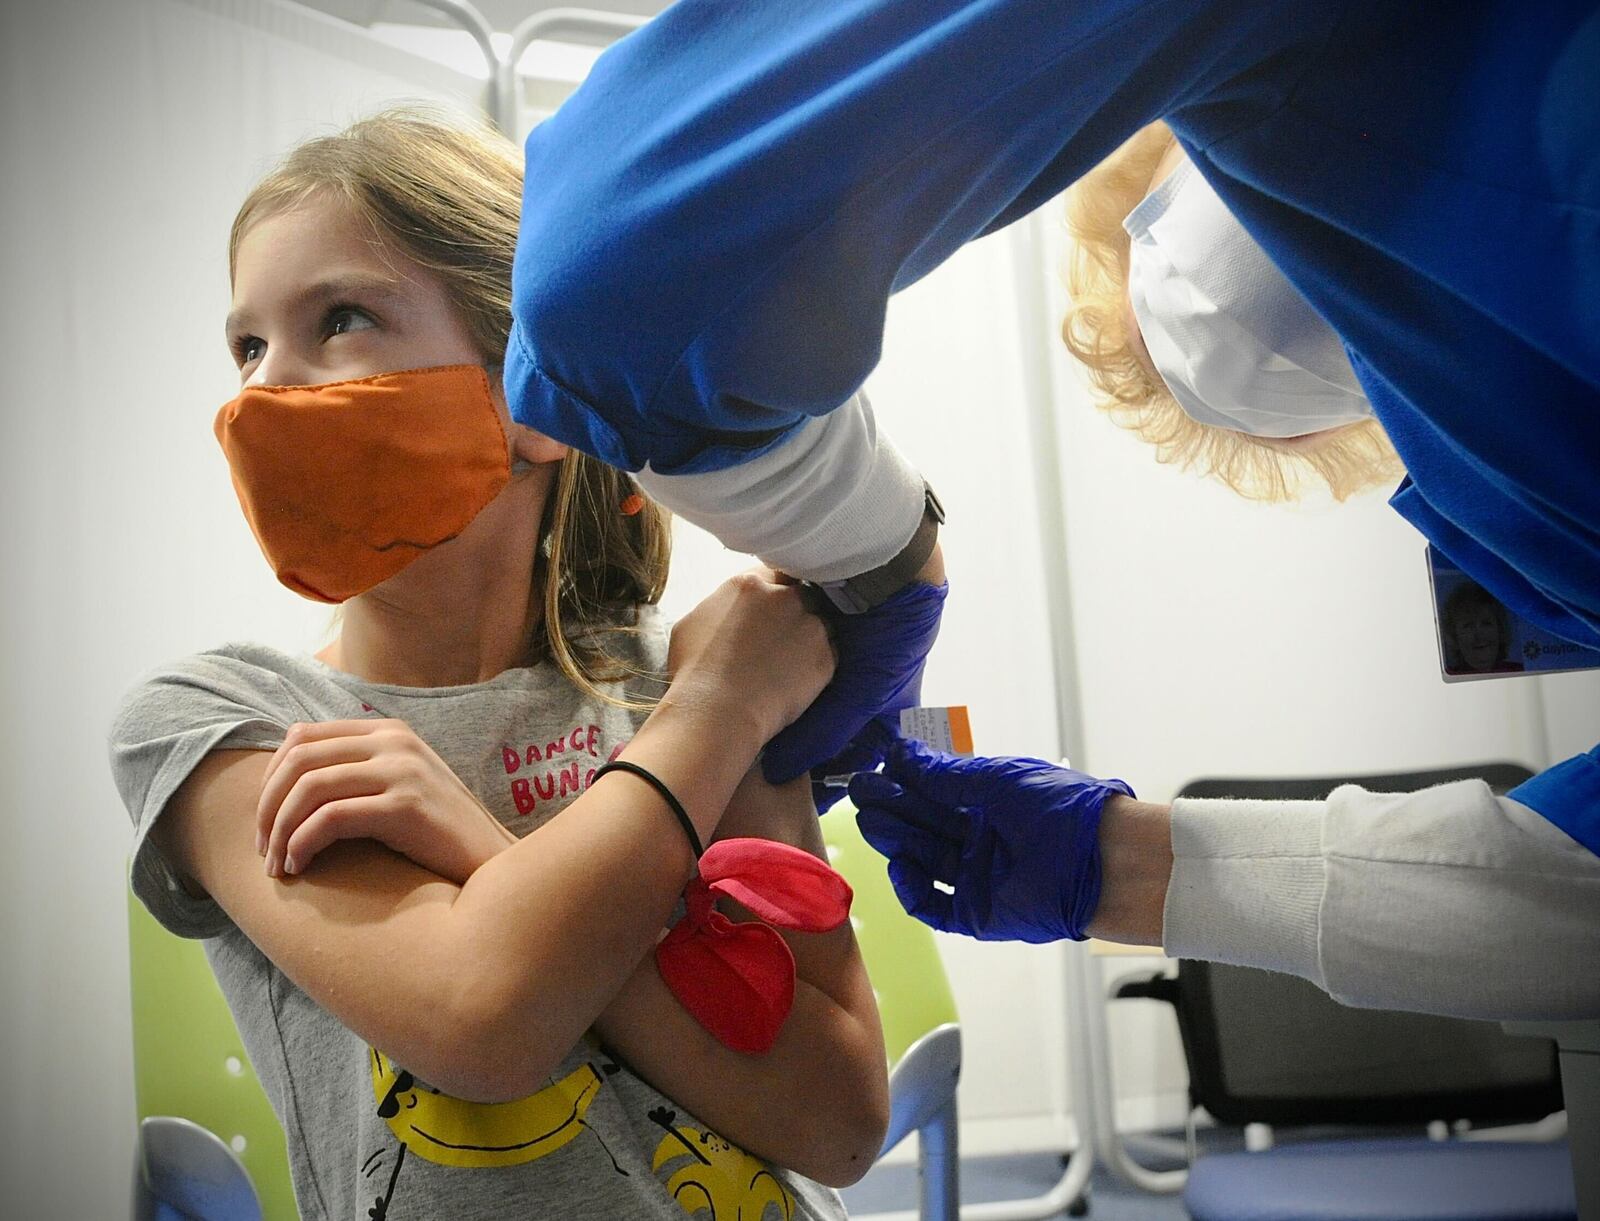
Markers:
point(714, 222)
point(1568, 794)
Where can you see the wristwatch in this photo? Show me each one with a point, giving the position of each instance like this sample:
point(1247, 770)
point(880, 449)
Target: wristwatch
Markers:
point(868, 589)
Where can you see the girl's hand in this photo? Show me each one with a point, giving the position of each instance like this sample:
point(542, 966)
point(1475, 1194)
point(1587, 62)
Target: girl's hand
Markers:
point(368, 779)
point(751, 649)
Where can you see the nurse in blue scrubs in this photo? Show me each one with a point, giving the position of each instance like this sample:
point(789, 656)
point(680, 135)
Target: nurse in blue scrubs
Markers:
point(713, 226)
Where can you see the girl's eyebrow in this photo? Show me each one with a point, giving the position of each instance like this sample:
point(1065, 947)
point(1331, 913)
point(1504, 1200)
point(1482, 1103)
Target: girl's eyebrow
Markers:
point(381, 289)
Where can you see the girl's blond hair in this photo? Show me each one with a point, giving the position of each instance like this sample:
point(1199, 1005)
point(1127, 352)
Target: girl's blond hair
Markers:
point(446, 191)
point(1096, 327)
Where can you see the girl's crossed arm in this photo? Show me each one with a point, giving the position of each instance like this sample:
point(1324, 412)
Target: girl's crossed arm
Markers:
point(826, 1125)
point(482, 988)
point(818, 1100)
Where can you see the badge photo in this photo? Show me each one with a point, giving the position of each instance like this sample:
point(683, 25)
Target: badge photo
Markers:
point(1480, 637)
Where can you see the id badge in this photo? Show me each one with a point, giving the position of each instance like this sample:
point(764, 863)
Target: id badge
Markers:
point(1480, 637)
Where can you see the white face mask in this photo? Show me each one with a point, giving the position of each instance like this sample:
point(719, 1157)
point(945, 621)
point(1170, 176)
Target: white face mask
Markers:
point(1234, 341)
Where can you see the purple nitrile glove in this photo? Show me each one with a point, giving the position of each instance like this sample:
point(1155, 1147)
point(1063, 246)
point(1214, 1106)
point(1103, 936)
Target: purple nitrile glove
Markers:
point(881, 654)
point(1016, 840)
point(862, 753)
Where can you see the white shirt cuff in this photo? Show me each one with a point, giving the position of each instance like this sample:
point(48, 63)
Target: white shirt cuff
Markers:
point(1247, 884)
point(834, 500)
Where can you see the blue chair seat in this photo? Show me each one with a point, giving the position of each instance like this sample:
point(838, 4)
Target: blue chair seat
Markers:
point(1386, 1180)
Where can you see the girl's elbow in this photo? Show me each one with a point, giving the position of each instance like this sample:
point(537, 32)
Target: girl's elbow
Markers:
point(489, 1079)
point(486, 1057)
point(871, 1127)
point(856, 1126)
point(845, 1168)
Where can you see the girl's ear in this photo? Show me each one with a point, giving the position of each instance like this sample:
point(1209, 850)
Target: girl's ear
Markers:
point(535, 447)
point(527, 444)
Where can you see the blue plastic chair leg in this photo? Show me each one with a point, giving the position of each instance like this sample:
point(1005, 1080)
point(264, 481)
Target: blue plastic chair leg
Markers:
point(183, 1171)
point(938, 1167)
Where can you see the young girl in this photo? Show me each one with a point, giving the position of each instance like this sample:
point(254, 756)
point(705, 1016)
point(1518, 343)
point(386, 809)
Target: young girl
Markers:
point(433, 922)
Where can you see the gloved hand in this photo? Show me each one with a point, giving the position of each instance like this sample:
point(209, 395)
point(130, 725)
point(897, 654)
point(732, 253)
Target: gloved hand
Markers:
point(1016, 839)
point(881, 655)
point(862, 753)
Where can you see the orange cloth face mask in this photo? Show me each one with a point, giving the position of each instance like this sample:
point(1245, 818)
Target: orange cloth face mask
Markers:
point(347, 483)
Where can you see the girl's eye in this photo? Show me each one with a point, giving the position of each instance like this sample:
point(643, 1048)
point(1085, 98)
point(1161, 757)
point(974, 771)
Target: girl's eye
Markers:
point(343, 319)
point(248, 348)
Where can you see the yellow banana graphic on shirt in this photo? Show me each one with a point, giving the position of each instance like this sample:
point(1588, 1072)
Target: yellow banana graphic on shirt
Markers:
point(454, 1132)
point(713, 1178)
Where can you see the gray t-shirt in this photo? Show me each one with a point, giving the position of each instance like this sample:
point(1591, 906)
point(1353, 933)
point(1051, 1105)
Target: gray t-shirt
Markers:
point(367, 1141)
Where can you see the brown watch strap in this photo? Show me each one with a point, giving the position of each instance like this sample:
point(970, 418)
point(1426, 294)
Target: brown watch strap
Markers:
point(874, 587)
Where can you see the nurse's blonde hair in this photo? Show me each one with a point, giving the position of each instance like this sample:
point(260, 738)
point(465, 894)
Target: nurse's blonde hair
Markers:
point(446, 191)
point(1096, 331)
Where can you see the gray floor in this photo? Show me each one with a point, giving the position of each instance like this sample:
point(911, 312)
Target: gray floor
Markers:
point(1018, 1176)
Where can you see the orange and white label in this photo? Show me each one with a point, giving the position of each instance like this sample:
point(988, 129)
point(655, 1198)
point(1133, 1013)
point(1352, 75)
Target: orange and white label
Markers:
point(946, 729)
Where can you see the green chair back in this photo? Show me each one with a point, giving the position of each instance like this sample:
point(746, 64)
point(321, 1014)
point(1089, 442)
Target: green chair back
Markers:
point(899, 951)
point(188, 1060)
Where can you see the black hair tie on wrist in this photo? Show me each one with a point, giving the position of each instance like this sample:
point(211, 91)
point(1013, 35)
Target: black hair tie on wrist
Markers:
point(676, 806)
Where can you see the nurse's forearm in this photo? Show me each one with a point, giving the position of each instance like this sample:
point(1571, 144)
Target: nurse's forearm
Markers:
point(1136, 866)
point(1450, 900)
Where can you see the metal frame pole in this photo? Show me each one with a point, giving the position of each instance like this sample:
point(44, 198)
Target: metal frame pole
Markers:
point(501, 101)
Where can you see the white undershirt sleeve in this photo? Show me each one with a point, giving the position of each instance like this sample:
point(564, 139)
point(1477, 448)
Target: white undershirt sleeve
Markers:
point(1451, 900)
point(834, 500)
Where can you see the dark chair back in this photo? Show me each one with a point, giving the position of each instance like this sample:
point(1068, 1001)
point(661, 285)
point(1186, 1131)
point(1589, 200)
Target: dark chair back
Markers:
point(1500, 777)
point(1269, 1048)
